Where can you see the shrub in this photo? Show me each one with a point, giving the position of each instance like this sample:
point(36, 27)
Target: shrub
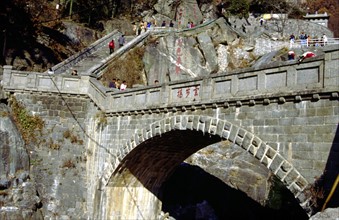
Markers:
point(68, 163)
point(128, 67)
point(30, 126)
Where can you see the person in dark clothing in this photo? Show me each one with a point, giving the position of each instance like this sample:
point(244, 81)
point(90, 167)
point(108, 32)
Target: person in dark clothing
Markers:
point(112, 84)
point(291, 55)
point(121, 40)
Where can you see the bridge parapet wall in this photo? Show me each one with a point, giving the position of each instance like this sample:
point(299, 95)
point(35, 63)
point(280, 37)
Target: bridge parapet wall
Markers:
point(279, 82)
point(301, 132)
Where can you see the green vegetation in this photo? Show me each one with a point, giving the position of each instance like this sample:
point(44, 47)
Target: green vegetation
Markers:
point(101, 119)
point(53, 146)
point(35, 162)
point(239, 8)
point(73, 138)
point(29, 126)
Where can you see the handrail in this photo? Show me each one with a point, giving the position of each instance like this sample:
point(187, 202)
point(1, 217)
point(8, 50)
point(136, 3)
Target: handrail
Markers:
point(97, 70)
point(313, 42)
point(78, 57)
point(303, 43)
point(232, 86)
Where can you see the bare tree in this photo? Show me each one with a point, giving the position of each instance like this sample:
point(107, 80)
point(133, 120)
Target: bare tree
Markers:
point(280, 10)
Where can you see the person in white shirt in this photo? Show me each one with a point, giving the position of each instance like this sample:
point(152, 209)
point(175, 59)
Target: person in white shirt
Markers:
point(123, 86)
point(325, 40)
point(50, 71)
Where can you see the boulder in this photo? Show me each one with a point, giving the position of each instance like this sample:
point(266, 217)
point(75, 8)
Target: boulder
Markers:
point(328, 214)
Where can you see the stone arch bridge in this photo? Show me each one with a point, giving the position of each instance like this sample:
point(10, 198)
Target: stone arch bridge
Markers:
point(284, 114)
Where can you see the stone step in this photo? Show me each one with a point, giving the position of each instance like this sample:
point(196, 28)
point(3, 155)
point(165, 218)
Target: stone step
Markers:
point(84, 65)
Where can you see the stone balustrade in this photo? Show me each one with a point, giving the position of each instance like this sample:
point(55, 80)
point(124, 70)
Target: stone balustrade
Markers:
point(72, 60)
point(277, 82)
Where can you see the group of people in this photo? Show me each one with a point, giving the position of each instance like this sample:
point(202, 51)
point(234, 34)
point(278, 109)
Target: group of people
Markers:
point(143, 26)
point(308, 54)
point(111, 44)
point(307, 41)
point(163, 24)
point(115, 83)
point(190, 24)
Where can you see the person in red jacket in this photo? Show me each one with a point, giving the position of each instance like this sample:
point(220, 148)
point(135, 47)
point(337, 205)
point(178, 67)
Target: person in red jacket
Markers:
point(111, 46)
point(307, 54)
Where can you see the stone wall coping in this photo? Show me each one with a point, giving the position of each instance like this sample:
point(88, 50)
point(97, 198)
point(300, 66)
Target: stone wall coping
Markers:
point(289, 81)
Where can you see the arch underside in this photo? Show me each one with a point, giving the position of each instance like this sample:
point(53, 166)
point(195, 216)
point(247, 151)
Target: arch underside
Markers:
point(178, 137)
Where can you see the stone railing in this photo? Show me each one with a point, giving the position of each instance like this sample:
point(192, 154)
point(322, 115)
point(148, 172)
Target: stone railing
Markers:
point(42, 82)
point(280, 82)
point(98, 69)
point(76, 58)
point(277, 82)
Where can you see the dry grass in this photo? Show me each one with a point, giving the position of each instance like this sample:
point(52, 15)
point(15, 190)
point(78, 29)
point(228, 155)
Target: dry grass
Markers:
point(67, 134)
point(30, 126)
point(316, 193)
point(68, 163)
point(128, 67)
point(3, 193)
point(73, 138)
point(4, 114)
point(101, 119)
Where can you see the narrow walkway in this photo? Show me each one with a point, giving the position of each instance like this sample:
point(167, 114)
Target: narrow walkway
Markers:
point(88, 57)
point(95, 58)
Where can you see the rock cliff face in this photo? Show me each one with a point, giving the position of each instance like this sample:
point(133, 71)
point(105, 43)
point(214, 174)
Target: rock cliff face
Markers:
point(214, 44)
point(46, 182)
point(187, 54)
point(19, 198)
point(46, 179)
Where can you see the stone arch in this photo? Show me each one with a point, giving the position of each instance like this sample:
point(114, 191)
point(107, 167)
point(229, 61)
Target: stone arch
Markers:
point(267, 156)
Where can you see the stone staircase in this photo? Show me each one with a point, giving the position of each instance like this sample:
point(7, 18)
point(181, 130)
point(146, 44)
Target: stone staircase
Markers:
point(86, 58)
point(84, 65)
point(95, 58)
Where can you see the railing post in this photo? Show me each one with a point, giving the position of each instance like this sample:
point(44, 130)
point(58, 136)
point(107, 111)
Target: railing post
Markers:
point(7, 75)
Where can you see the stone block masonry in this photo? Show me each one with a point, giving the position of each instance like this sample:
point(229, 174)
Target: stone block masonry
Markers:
point(284, 115)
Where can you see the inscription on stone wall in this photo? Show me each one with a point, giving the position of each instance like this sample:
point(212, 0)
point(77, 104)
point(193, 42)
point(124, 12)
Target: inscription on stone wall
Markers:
point(178, 52)
point(185, 93)
point(179, 16)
